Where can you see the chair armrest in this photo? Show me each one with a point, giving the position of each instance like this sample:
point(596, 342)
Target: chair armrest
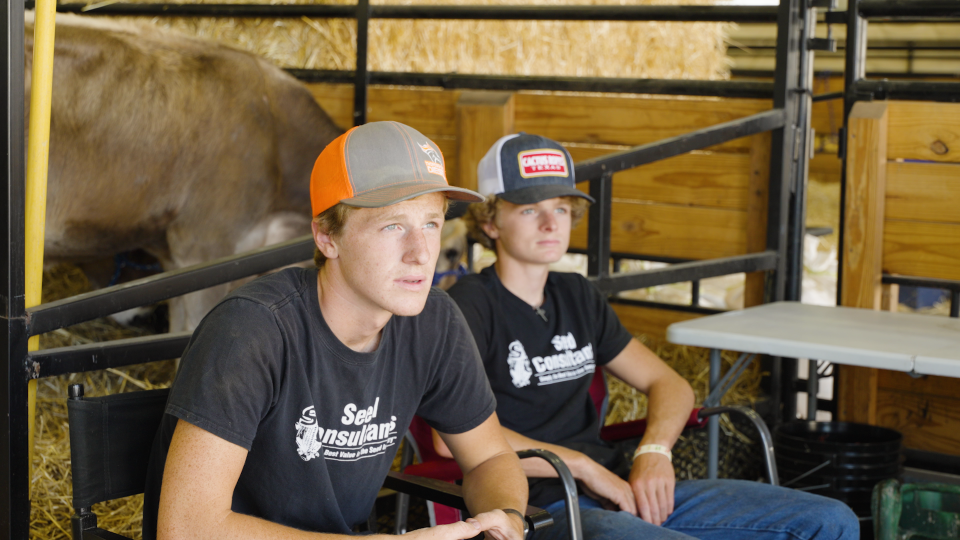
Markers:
point(769, 459)
point(636, 428)
point(452, 495)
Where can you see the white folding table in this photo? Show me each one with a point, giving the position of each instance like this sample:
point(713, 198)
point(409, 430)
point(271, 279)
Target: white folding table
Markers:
point(918, 344)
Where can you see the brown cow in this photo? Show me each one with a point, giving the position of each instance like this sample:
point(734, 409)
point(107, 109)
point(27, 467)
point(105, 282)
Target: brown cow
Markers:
point(184, 147)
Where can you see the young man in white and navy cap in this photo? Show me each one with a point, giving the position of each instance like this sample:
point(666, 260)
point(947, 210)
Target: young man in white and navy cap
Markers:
point(295, 391)
point(541, 335)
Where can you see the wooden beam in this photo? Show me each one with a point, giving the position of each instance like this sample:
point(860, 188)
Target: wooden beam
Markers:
point(714, 179)
point(924, 130)
point(917, 248)
point(866, 174)
point(757, 214)
point(428, 110)
point(628, 120)
point(651, 322)
point(687, 232)
point(482, 118)
point(923, 192)
point(866, 183)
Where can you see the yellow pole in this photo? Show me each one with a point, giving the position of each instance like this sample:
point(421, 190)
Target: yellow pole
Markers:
point(38, 157)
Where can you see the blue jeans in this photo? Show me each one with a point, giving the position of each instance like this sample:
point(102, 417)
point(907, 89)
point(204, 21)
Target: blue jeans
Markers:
point(718, 510)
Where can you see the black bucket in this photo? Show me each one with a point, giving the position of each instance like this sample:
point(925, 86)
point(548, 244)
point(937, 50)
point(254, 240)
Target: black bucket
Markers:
point(840, 460)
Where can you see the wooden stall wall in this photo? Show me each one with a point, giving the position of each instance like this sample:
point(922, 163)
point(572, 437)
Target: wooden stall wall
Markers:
point(696, 206)
point(903, 217)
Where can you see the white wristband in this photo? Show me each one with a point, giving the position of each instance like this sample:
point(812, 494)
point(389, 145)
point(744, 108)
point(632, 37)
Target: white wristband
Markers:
point(653, 449)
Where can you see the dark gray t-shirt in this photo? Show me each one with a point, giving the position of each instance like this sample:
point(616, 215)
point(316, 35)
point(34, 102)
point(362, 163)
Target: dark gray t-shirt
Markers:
point(320, 421)
point(540, 369)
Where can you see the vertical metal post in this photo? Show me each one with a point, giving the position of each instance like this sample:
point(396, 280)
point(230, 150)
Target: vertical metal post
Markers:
point(598, 226)
point(955, 303)
point(14, 480)
point(361, 75)
point(789, 152)
point(853, 71)
point(695, 293)
point(813, 385)
point(713, 423)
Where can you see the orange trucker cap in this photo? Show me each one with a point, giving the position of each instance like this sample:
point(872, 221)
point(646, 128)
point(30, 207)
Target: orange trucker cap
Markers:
point(379, 164)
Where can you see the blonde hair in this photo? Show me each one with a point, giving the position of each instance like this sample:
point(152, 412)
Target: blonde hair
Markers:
point(331, 221)
point(481, 213)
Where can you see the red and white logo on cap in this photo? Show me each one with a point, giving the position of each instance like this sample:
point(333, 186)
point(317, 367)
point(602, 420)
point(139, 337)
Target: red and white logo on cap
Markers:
point(543, 162)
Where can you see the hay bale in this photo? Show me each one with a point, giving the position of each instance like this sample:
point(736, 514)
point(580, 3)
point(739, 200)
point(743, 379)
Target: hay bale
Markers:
point(594, 48)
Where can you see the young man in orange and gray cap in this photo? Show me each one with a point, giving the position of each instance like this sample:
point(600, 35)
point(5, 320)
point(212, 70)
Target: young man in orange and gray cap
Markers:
point(295, 390)
point(541, 335)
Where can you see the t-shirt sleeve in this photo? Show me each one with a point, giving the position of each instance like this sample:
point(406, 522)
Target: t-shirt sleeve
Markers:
point(611, 336)
point(228, 374)
point(459, 397)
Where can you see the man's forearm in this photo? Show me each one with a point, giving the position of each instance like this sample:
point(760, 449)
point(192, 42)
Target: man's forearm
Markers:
point(669, 405)
point(496, 483)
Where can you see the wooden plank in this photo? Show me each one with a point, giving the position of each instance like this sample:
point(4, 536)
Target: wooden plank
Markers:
point(924, 130)
point(430, 111)
point(926, 384)
point(916, 248)
point(857, 394)
point(649, 321)
point(628, 120)
point(930, 423)
point(759, 190)
point(866, 170)
point(482, 118)
point(687, 232)
point(923, 192)
point(712, 179)
point(866, 174)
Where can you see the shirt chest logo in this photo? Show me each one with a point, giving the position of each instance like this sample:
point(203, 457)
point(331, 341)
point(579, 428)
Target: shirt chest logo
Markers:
point(567, 364)
point(519, 364)
point(357, 437)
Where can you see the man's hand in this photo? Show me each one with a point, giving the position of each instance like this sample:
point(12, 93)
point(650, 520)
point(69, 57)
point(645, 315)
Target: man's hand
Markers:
point(652, 479)
point(497, 524)
point(500, 525)
point(601, 484)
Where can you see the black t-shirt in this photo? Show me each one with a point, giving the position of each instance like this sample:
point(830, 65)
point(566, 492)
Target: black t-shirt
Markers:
point(540, 370)
point(320, 421)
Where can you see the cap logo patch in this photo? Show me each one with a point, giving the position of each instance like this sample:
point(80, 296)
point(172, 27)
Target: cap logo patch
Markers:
point(435, 165)
point(543, 162)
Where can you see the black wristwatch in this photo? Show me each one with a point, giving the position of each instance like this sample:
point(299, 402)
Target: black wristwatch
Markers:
point(526, 526)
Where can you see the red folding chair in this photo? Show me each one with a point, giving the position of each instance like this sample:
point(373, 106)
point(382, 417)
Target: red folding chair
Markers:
point(431, 465)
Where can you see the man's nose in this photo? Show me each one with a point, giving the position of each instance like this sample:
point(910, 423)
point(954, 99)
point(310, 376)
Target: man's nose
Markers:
point(418, 249)
point(548, 221)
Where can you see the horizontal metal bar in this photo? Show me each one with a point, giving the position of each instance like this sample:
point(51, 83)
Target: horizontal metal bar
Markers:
point(635, 256)
point(108, 354)
point(910, 9)
point(426, 488)
point(683, 308)
point(99, 303)
point(742, 14)
point(828, 96)
point(912, 281)
point(909, 90)
point(681, 144)
point(753, 262)
point(728, 89)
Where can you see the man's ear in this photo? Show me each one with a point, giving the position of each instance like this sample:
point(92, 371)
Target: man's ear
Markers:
point(324, 242)
point(491, 229)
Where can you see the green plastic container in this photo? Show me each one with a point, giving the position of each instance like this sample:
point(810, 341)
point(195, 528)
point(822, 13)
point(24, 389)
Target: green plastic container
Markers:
point(916, 511)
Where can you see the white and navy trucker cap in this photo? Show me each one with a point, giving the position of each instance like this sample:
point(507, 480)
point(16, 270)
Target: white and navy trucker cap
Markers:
point(527, 169)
